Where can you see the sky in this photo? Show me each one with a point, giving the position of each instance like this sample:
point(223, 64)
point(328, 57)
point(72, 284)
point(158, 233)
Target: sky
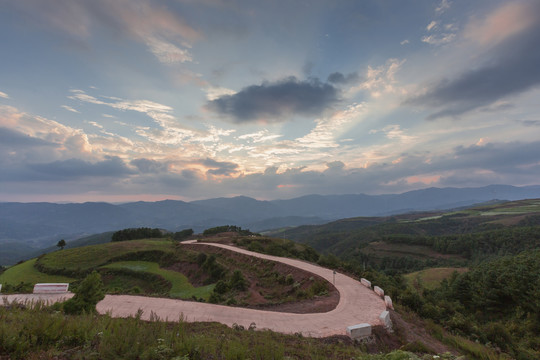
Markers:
point(131, 100)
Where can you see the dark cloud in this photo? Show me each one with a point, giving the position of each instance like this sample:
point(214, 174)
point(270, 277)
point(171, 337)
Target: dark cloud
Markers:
point(220, 167)
point(339, 78)
point(13, 138)
point(149, 166)
point(274, 102)
point(505, 157)
point(511, 68)
point(531, 122)
point(75, 168)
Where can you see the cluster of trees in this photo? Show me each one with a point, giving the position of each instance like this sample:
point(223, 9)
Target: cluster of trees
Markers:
point(145, 233)
point(497, 302)
point(227, 228)
point(136, 233)
point(182, 235)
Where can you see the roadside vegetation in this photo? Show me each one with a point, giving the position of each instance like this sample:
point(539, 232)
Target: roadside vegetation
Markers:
point(43, 333)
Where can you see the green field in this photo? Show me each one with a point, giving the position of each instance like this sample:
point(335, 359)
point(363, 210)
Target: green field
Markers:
point(431, 278)
point(25, 272)
point(181, 287)
point(91, 257)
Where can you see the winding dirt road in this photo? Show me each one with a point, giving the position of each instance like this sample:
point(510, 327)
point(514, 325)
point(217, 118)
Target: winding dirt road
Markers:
point(357, 304)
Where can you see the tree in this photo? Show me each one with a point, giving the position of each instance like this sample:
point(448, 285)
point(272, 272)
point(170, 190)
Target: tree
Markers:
point(61, 244)
point(87, 295)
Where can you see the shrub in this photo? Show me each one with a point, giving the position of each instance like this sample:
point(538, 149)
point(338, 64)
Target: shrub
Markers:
point(87, 295)
point(238, 281)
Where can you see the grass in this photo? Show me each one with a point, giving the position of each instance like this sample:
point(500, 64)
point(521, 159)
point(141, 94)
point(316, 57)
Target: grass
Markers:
point(25, 272)
point(35, 334)
point(431, 278)
point(90, 257)
point(181, 287)
point(39, 333)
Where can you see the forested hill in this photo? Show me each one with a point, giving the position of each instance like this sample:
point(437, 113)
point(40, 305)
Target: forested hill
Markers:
point(415, 241)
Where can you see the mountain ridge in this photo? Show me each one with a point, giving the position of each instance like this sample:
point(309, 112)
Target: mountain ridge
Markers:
point(41, 224)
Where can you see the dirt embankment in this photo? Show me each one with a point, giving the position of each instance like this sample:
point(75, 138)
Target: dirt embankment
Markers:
point(265, 291)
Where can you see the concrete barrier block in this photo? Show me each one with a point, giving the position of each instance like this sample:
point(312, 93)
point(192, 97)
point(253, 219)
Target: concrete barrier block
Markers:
point(379, 291)
point(366, 283)
point(385, 319)
point(388, 302)
point(359, 331)
point(51, 288)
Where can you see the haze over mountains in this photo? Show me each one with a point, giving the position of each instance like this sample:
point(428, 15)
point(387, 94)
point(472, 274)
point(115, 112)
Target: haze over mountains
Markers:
point(27, 227)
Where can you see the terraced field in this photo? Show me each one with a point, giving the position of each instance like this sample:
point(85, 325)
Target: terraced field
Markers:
point(181, 287)
point(431, 278)
point(26, 272)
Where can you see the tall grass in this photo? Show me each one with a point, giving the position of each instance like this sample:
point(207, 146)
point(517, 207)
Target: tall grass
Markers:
point(41, 333)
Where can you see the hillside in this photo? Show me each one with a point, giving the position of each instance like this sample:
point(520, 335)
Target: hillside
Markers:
point(420, 240)
point(35, 226)
point(162, 267)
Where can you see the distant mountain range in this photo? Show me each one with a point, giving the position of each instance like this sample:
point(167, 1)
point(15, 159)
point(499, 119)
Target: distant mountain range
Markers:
point(27, 227)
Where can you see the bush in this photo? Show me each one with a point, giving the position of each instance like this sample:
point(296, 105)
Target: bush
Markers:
point(87, 295)
point(238, 281)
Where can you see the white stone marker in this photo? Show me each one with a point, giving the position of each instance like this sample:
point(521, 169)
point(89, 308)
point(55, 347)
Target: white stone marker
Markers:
point(385, 319)
point(388, 302)
point(366, 283)
point(379, 291)
point(51, 288)
point(359, 331)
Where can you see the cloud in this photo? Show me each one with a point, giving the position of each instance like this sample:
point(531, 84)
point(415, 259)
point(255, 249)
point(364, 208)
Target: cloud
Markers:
point(112, 166)
point(404, 42)
point(260, 136)
point(70, 142)
point(431, 25)
point(443, 6)
point(166, 34)
point(339, 78)
point(379, 80)
point(439, 39)
point(4, 95)
point(394, 132)
point(224, 168)
point(13, 138)
point(275, 102)
point(510, 67)
point(504, 22)
point(149, 166)
point(160, 113)
point(167, 52)
point(69, 108)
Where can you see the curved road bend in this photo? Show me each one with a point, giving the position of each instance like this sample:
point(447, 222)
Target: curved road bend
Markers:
point(357, 304)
